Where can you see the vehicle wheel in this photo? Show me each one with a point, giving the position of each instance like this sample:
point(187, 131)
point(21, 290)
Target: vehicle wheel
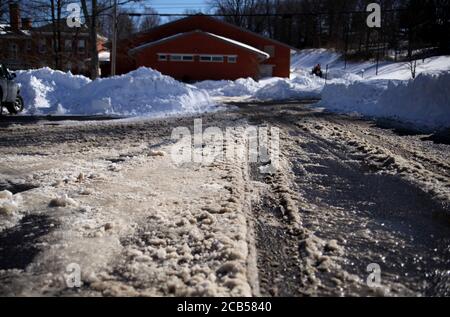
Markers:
point(17, 106)
point(1, 104)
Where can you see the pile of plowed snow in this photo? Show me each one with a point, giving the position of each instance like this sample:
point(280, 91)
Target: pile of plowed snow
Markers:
point(301, 86)
point(390, 93)
point(229, 88)
point(143, 92)
point(424, 101)
point(354, 87)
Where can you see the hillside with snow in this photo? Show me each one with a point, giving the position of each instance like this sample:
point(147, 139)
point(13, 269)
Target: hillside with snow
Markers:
point(307, 59)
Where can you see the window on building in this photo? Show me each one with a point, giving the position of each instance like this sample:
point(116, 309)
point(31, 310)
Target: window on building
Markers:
point(42, 46)
point(162, 57)
point(211, 58)
point(82, 46)
point(232, 59)
point(270, 49)
point(181, 58)
point(13, 50)
point(175, 58)
point(205, 58)
point(68, 45)
point(217, 59)
point(188, 58)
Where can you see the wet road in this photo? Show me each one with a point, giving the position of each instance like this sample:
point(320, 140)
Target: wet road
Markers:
point(366, 195)
point(370, 217)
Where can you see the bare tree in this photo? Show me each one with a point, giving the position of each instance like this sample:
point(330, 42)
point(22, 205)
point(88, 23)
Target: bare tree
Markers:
point(91, 17)
point(126, 25)
point(49, 11)
point(341, 24)
point(412, 65)
point(149, 21)
point(56, 7)
point(234, 10)
point(93, 10)
point(3, 9)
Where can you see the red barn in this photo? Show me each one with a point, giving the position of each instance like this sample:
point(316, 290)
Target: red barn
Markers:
point(201, 47)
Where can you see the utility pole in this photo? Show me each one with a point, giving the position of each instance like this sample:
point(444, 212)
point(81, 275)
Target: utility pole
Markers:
point(347, 31)
point(114, 41)
point(378, 51)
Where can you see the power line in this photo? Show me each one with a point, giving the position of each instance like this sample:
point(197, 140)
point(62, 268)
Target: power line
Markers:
point(281, 15)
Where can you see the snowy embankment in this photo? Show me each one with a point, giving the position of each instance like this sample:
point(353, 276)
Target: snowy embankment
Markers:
point(305, 60)
point(354, 88)
point(141, 92)
point(424, 101)
point(300, 86)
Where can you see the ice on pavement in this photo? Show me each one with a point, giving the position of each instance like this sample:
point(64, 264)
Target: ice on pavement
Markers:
point(172, 229)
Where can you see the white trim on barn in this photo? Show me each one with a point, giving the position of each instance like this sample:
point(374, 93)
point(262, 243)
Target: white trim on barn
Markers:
point(254, 50)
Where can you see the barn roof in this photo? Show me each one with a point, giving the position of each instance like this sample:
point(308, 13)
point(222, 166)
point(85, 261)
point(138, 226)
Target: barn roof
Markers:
point(206, 17)
point(248, 31)
point(220, 38)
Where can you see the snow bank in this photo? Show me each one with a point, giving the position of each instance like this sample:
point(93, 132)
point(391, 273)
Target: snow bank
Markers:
point(141, 92)
point(44, 89)
point(424, 101)
point(300, 87)
point(357, 88)
point(229, 88)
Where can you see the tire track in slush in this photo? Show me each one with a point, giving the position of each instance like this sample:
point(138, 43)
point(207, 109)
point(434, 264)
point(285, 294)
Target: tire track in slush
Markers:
point(374, 218)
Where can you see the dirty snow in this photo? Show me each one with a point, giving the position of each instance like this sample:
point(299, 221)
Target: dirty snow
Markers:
point(108, 197)
point(123, 211)
point(9, 207)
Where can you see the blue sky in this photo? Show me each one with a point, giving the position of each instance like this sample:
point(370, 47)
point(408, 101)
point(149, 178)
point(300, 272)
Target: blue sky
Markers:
point(177, 6)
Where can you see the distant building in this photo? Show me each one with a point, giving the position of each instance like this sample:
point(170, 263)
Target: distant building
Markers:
point(201, 47)
point(24, 46)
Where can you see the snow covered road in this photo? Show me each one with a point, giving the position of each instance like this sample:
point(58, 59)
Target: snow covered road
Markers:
point(108, 197)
